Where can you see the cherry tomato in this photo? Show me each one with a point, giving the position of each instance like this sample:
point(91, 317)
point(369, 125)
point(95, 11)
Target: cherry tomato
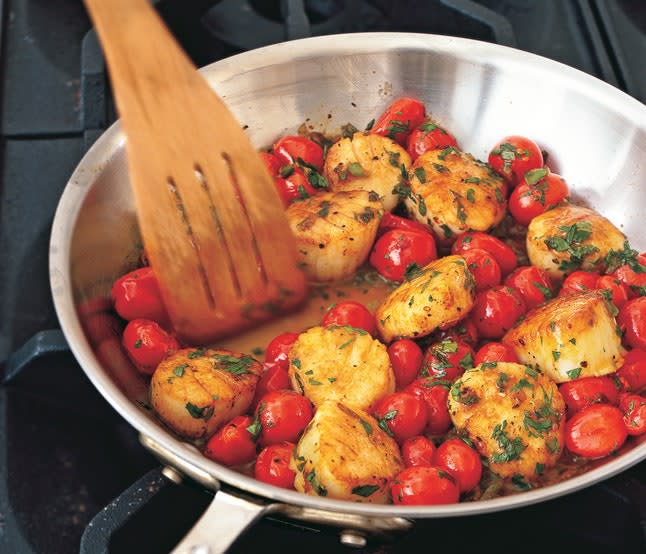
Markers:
point(351, 313)
point(633, 370)
point(532, 283)
point(424, 485)
point(496, 310)
point(418, 451)
point(579, 281)
point(293, 149)
point(278, 349)
point(399, 119)
point(282, 414)
point(595, 431)
point(483, 266)
point(293, 184)
point(398, 252)
point(633, 275)
point(583, 392)
point(274, 377)
point(272, 162)
point(272, 465)
point(464, 331)
point(402, 415)
point(513, 156)
point(632, 321)
point(633, 407)
point(539, 191)
point(619, 293)
point(406, 358)
point(502, 253)
point(461, 461)
point(495, 352)
point(435, 393)
point(136, 295)
point(147, 344)
point(447, 360)
point(428, 136)
point(390, 222)
point(234, 444)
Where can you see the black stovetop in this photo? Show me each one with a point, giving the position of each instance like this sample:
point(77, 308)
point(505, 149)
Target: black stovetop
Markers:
point(64, 453)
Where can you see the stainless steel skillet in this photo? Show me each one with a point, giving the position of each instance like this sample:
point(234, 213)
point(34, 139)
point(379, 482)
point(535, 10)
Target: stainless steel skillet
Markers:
point(595, 134)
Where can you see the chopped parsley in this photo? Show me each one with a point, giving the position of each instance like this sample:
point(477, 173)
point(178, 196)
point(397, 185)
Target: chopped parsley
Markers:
point(511, 449)
point(420, 173)
point(179, 369)
point(574, 373)
point(571, 243)
point(205, 412)
point(365, 490)
point(355, 169)
point(233, 364)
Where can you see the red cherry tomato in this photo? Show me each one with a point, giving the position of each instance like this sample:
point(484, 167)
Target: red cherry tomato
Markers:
point(633, 407)
point(496, 310)
point(397, 252)
point(391, 222)
point(633, 275)
point(293, 185)
point(399, 119)
point(583, 392)
point(402, 415)
point(633, 370)
point(435, 393)
point(495, 352)
point(418, 451)
point(351, 313)
point(136, 295)
point(501, 252)
point(513, 156)
point(619, 293)
point(424, 485)
point(234, 444)
point(278, 349)
point(272, 465)
point(406, 358)
point(293, 149)
point(579, 281)
point(282, 414)
point(147, 344)
point(447, 360)
point(632, 321)
point(461, 461)
point(532, 283)
point(272, 162)
point(539, 191)
point(464, 331)
point(483, 266)
point(274, 377)
point(428, 136)
point(595, 431)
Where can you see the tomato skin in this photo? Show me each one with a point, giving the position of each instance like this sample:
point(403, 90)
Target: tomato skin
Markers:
point(271, 161)
point(272, 465)
point(402, 415)
point(290, 148)
point(435, 394)
point(274, 377)
point(233, 444)
point(633, 407)
point(631, 278)
point(619, 292)
point(390, 222)
point(464, 331)
point(579, 281)
point(351, 313)
point(495, 352)
point(424, 485)
point(406, 358)
point(633, 370)
point(513, 156)
point(502, 253)
point(595, 431)
point(632, 321)
point(418, 451)
point(530, 199)
point(532, 283)
point(283, 414)
point(396, 251)
point(496, 310)
point(428, 136)
point(295, 186)
point(147, 344)
point(447, 360)
point(461, 461)
point(484, 268)
point(585, 391)
point(399, 119)
point(278, 349)
point(136, 295)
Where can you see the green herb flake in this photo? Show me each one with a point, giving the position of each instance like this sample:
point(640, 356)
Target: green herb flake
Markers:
point(366, 426)
point(233, 364)
point(471, 195)
point(574, 373)
point(296, 363)
point(365, 490)
point(199, 353)
point(511, 449)
point(556, 354)
point(533, 176)
point(520, 483)
point(547, 293)
point(539, 469)
point(138, 343)
point(355, 169)
point(205, 412)
point(420, 173)
point(179, 369)
point(553, 445)
point(370, 124)
point(488, 365)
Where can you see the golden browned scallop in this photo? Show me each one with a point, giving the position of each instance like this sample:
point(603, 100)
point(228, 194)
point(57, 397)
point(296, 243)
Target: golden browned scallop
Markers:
point(437, 296)
point(514, 415)
point(343, 454)
point(334, 232)
point(340, 363)
point(569, 337)
point(569, 238)
point(368, 162)
point(196, 390)
point(453, 192)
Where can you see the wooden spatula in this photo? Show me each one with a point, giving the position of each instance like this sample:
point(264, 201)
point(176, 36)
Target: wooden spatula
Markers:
point(212, 222)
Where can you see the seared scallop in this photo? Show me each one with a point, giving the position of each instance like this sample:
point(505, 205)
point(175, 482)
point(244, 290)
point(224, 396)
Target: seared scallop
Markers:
point(368, 162)
point(514, 415)
point(569, 337)
point(343, 454)
point(334, 232)
point(196, 390)
point(340, 363)
point(436, 297)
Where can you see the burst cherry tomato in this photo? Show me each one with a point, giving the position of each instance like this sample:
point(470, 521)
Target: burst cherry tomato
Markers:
point(428, 136)
point(435, 393)
point(633, 370)
point(539, 191)
point(278, 348)
point(399, 251)
point(483, 266)
point(406, 358)
point(464, 331)
point(272, 465)
point(579, 281)
point(514, 156)
point(399, 119)
point(418, 451)
point(402, 415)
point(282, 415)
point(532, 283)
point(351, 313)
point(424, 485)
point(234, 444)
point(272, 162)
point(461, 461)
point(619, 293)
point(634, 408)
point(595, 431)
point(447, 360)
point(495, 352)
point(501, 252)
point(583, 392)
point(147, 344)
point(633, 275)
point(632, 321)
point(136, 295)
point(274, 377)
point(390, 222)
point(293, 184)
point(496, 310)
point(292, 149)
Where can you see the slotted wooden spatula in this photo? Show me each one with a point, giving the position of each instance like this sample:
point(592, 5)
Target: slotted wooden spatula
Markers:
point(212, 222)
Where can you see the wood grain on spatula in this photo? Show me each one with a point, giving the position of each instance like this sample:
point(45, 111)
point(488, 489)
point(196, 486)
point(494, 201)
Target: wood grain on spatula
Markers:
point(212, 223)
